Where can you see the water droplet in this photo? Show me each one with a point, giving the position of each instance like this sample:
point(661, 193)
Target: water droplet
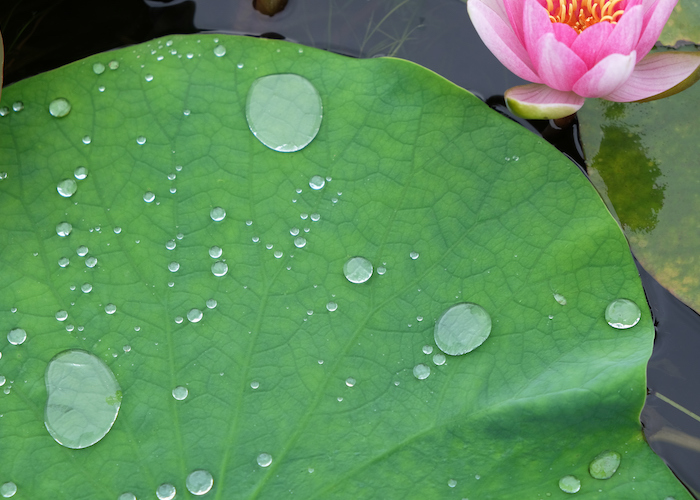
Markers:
point(126, 496)
point(180, 392)
point(199, 482)
point(427, 349)
point(113, 65)
point(315, 217)
point(166, 491)
point(59, 107)
point(211, 303)
point(559, 298)
point(63, 262)
point(2, 380)
point(294, 231)
point(284, 111)
point(317, 182)
point(264, 459)
point(126, 348)
point(569, 484)
point(173, 267)
point(269, 246)
point(254, 384)
point(219, 51)
point(622, 314)
point(140, 140)
point(63, 229)
point(110, 308)
point(195, 315)
point(8, 489)
point(86, 288)
point(186, 112)
point(219, 268)
point(67, 188)
point(414, 255)
point(91, 262)
point(350, 382)
point(86, 139)
point(4, 111)
point(217, 214)
point(239, 65)
point(70, 328)
point(80, 173)
point(300, 242)
point(381, 270)
point(148, 78)
point(98, 68)
point(604, 465)
point(170, 245)
point(357, 270)
point(462, 328)
point(304, 216)
point(148, 197)
point(16, 336)
point(61, 315)
point(101, 88)
point(179, 236)
point(17, 106)
point(215, 252)
point(82, 250)
point(451, 483)
point(421, 371)
point(439, 359)
point(278, 254)
point(83, 399)
point(117, 230)
point(331, 306)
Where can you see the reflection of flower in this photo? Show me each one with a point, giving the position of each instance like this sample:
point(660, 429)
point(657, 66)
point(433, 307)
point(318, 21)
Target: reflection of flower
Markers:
point(573, 49)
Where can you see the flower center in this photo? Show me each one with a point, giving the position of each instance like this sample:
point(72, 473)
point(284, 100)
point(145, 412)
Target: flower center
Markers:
point(582, 16)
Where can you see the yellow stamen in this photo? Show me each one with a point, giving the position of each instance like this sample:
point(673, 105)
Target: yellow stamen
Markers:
point(589, 12)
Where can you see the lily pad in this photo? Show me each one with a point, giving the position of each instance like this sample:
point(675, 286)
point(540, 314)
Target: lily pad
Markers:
point(683, 25)
point(648, 177)
point(290, 379)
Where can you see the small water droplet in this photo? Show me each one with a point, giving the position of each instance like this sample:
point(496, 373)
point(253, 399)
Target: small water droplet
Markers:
point(284, 111)
point(101, 88)
point(148, 197)
point(148, 78)
point(91, 262)
point(255, 239)
point(239, 65)
point(294, 231)
point(8, 489)
point(331, 306)
point(16, 336)
point(427, 349)
point(414, 255)
point(166, 491)
point(358, 270)
point(622, 314)
point(86, 139)
point(278, 254)
point(462, 328)
point(17, 106)
point(186, 112)
point(63, 262)
point(180, 392)
point(67, 187)
point(98, 68)
point(113, 65)
point(83, 399)
point(59, 107)
point(62, 315)
point(604, 465)
point(269, 246)
point(264, 459)
point(173, 267)
point(300, 242)
point(350, 382)
point(219, 268)
point(117, 230)
point(315, 217)
point(381, 270)
point(140, 140)
point(219, 51)
point(569, 484)
point(317, 182)
point(421, 371)
point(439, 359)
point(86, 288)
point(63, 229)
point(170, 244)
point(127, 496)
point(195, 315)
point(82, 250)
point(110, 308)
point(126, 348)
point(254, 384)
point(215, 252)
point(451, 483)
point(217, 214)
point(179, 236)
point(80, 173)
point(559, 298)
point(199, 482)
point(211, 303)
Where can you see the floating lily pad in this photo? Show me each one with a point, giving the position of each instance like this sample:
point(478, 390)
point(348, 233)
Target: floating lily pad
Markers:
point(683, 25)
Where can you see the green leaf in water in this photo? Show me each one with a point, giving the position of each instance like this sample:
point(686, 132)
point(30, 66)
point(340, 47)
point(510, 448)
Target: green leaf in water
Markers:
point(207, 271)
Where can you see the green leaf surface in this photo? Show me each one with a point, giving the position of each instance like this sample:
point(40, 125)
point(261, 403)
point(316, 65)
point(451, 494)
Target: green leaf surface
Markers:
point(647, 175)
point(457, 203)
point(683, 25)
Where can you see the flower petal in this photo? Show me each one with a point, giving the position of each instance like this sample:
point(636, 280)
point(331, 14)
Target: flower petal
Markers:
point(658, 73)
point(539, 102)
point(499, 37)
point(606, 76)
point(590, 41)
point(556, 64)
point(536, 24)
point(564, 33)
point(514, 11)
point(654, 20)
point(625, 35)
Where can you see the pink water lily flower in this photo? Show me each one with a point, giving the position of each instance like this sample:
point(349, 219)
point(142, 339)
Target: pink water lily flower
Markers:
point(573, 49)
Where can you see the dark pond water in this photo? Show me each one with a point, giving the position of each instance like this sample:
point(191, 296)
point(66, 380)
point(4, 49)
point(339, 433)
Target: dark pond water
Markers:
point(44, 34)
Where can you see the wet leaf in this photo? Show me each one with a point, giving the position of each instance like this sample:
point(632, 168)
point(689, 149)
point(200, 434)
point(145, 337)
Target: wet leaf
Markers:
point(683, 25)
point(290, 380)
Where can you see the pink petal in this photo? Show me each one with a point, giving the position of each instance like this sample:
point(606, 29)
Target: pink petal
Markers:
point(539, 102)
point(564, 33)
point(514, 11)
point(606, 76)
point(590, 41)
point(499, 37)
point(625, 35)
point(536, 24)
point(654, 20)
point(656, 73)
point(556, 64)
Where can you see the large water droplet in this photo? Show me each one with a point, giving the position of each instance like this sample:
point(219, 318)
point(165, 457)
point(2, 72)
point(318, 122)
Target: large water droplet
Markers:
point(439, 359)
point(462, 328)
point(113, 65)
point(199, 482)
point(8, 489)
point(110, 308)
point(166, 491)
point(559, 298)
point(180, 392)
point(622, 314)
point(16, 336)
point(569, 484)
point(91, 261)
point(317, 182)
point(86, 139)
point(211, 303)
point(59, 107)
point(98, 68)
point(63, 262)
point(358, 270)
point(350, 382)
point(264, 459)
point(17, 106)
point(452, 483)
point(80, 173)
point(173, 267)
point(332, 306)
point(82, 250)
point(61, 315)
point(604, 465)
point(170, 245)
point(86, 288)
point(300, 242)
point(83, 399)
point(284, 111)
point(414, 255)
point(217, 214)
point(64, 228)
point(148, 197)
point(67, 187)
point(219, 51)
point(215, 252)
point(127, 496)
point(219, 268)
point(421, 371)
point(195, 315)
